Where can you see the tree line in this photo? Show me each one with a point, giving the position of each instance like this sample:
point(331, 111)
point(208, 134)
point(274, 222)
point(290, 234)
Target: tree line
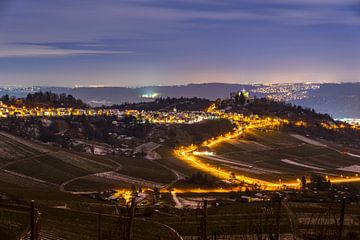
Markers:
point(44, 99)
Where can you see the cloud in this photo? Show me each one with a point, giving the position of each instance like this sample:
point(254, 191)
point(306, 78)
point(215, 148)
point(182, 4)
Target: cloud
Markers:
point(90, 20)
point(34, 50)
point(239, 2)
point(273, 11)
point(176, 35)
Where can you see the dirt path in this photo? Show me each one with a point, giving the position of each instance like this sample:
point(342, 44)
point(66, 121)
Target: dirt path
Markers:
point(178, 175)
point(24, 142)
point(178, 204)
point(112, 173)
point(115, 176)
point(72, 155)
point(131, 180)
point(29, 178)
point(63, 185)
point(24, 159)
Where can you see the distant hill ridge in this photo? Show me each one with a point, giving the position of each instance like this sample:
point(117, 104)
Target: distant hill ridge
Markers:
point(339, 100)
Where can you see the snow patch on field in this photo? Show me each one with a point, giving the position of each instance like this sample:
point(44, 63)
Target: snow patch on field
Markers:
point(308, 140)
point(301, 164)
point(254, 170)
point(248, 145)
point(180, 202)
point(352, 168)
point(228, 161)
point(353, 155)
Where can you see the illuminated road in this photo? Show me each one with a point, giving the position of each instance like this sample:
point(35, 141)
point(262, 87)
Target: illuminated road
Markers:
point(189, 154)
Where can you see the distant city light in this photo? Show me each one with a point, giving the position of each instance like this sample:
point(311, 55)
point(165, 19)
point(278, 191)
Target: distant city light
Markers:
point(353, 121)
point(150, 95)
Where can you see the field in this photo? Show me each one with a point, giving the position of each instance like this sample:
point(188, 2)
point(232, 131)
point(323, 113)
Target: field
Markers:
point(232, 219)
point(227, 219)
point(322, 218)
point(30, 165)
point(87, 225)
point(57, 179)
point(279, 156)
point(61, 224)
point(13, 220)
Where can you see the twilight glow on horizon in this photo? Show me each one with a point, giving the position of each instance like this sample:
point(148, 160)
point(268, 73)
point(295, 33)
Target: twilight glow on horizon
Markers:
point(152, 42)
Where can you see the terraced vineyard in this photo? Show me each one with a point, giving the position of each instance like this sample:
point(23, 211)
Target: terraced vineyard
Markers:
point(37, 165)
point(322, 218)
point(55, 178)
point(58, 178)
point(274, 155)
point(13, 221)
point(232, 219)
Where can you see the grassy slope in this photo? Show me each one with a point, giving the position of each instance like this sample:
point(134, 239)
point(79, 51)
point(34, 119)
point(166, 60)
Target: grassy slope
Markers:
point(145, 169)
point(56, 166)
point(278, 146)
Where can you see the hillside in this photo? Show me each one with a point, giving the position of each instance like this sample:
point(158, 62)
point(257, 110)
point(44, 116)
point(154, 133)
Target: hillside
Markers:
point(338, 100)
point(239, 154)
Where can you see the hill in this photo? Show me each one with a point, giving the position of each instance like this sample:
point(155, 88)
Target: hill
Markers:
point(338, 100)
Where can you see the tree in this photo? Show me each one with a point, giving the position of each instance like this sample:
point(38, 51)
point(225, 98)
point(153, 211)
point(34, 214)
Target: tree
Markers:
point(319, 182)
point(156, 194)
point(303, 183)
point(240, 97)
point(5, 99)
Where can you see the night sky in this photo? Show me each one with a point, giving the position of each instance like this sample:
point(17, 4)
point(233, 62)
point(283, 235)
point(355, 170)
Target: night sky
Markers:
point(166, 42)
